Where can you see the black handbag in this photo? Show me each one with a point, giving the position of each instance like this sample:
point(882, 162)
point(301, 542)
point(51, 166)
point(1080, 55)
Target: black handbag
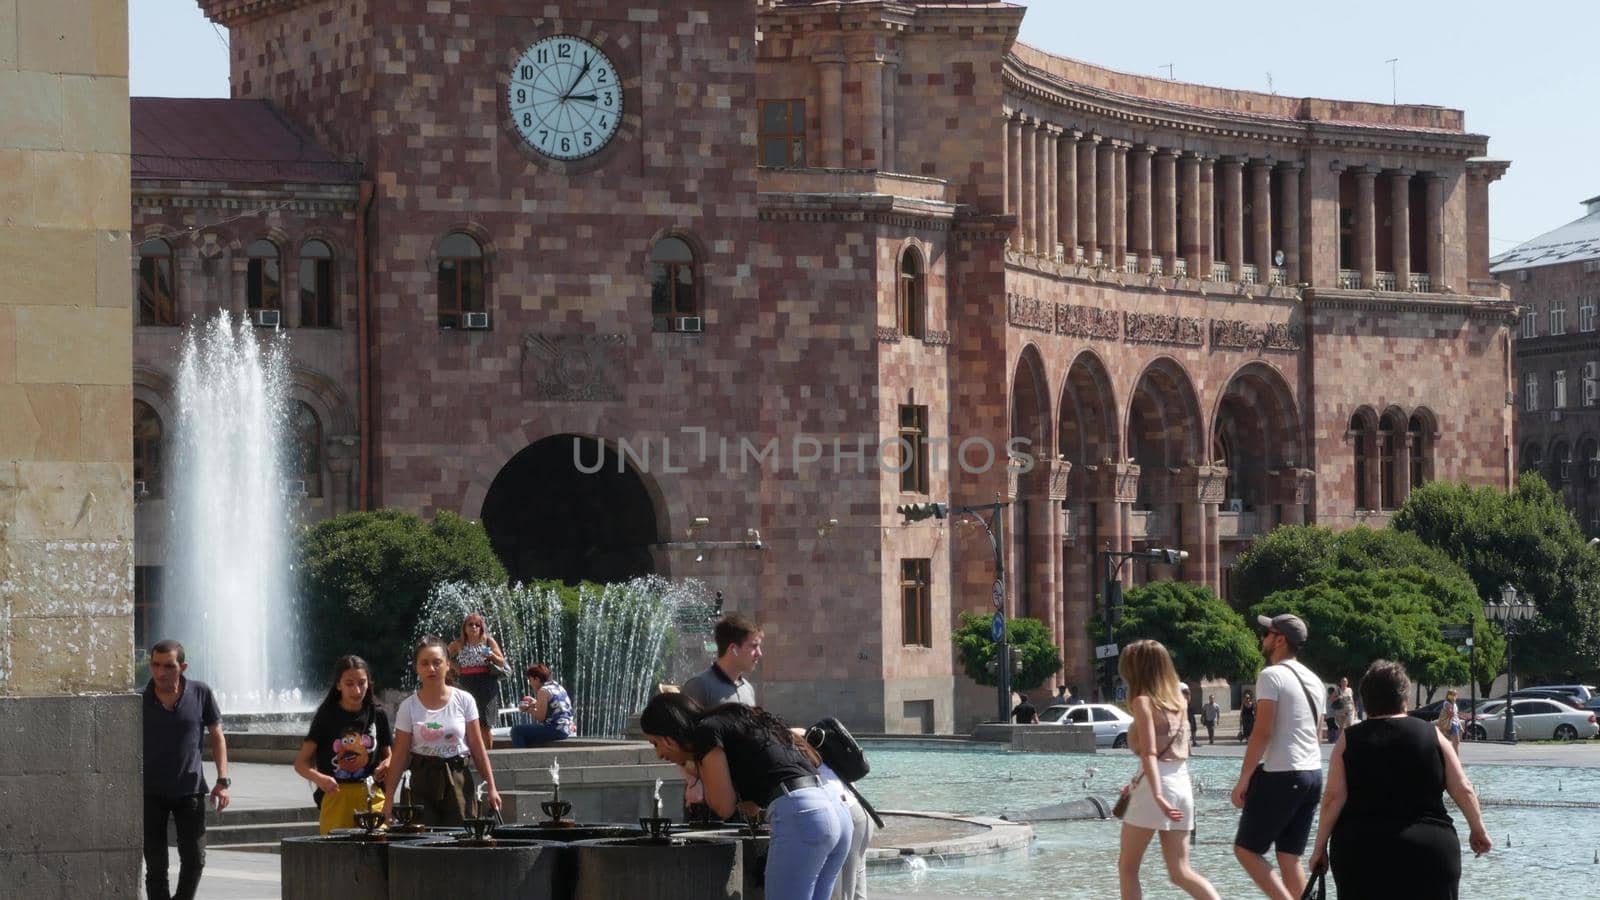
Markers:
point(1316, 886)
point(834, 743)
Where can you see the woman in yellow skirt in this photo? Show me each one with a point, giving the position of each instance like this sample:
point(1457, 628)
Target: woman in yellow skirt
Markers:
point(346, 752)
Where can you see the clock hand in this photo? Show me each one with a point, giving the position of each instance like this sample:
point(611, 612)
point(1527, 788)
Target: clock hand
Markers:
point(589, 97)
point(567, 94)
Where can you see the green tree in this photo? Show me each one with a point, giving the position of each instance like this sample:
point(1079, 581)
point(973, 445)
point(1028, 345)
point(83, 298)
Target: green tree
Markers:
point(364, 576)
point(1528, 539)
point(1206, 637)
point(1030, 641)
point(1296, 556)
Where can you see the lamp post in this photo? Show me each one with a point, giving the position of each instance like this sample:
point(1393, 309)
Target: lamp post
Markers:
point(1113, 560)
point(1509, 612)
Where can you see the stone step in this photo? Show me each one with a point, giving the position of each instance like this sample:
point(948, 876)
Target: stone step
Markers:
point(232, 835)
point(572, 756)
point(262, 816)
point(272, 847)
point(588, 776)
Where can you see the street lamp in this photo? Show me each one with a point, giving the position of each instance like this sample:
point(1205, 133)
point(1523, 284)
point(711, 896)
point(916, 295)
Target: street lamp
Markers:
point(1113, 560)
point(1509, 613)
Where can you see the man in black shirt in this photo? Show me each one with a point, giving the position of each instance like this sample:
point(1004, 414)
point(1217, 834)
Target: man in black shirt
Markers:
point(176, 713)
point(1025, 714)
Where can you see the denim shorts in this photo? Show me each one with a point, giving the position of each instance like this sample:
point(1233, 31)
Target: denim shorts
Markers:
point(1278, 809)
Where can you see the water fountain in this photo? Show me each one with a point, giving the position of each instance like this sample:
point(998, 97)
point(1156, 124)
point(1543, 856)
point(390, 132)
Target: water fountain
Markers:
point(230, 599)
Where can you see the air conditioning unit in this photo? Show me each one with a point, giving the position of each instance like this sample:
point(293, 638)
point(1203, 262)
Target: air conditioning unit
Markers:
point(1235, 505)
point(268, 318)
point(1591, 391)
point(295, 487)
point(140, 490)
point(688, 324)
point(475, 321)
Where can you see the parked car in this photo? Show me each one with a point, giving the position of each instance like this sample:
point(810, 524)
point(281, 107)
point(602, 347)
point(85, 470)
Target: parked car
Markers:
point(1537, 720)
point(1584, 692)
point(1430, 712)
point(1561, 697)
point(1110, 723)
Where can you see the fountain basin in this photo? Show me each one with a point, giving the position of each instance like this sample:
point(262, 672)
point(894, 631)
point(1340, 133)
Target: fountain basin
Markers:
point(753, 854)
point(428, 870)
point(340, 866)
point(643, 868)
point(567, 833)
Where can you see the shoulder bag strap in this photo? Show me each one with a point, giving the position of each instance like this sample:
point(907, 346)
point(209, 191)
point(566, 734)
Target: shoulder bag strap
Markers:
point(1311, 702)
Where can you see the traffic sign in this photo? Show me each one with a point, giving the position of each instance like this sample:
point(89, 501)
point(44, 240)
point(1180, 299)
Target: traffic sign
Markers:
point(997, 628)
point(1453, 632)
point(999, 595)
point(1106, 651)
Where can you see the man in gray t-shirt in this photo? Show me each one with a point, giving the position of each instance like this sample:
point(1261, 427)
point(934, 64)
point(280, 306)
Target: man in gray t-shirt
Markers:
point(738, 650)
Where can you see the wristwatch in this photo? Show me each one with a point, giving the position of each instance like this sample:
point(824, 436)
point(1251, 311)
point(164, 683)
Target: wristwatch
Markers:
point(224, 782)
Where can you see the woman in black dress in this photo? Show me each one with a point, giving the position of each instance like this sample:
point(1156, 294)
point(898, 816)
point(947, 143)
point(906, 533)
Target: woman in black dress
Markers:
point(1384, 801)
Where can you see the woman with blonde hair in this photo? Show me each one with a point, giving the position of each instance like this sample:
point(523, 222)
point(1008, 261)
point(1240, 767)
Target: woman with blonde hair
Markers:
point(1161, 799)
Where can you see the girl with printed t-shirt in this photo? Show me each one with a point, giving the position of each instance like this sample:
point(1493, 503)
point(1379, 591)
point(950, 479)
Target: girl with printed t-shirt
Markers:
point(435, 730)
point(348, 743)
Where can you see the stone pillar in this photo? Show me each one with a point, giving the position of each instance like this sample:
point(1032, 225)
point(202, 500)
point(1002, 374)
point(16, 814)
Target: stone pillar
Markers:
point(1400, 226)
point(1139, 195)
point(1088, 194)
point(1014, 177)
point(1289, 188)
point(1366, 236)
point(1046, 490)
point(1439, 272)
point(1166, 208)
point(1113, 487)
point(1192, 220)
point(830, 75)
point(1261, 217)
point(869, 72)
point(1198, 491)
point(1208, 217)
point(1289, 490)
point(891, 82)
point(1105, 200)
point(341, 491)
point(1230, 178)
point(1030, 186)
point(1044, 218)
point(1067, 190)
point(1119, 199)
point(1480, 174)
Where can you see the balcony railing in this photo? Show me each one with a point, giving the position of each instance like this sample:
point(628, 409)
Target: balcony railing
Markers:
point(1384, 281)
point(1156, 264)
point(1220, 271)
point(1279, 276)
point(1130, 264)
point(1249, 274)
point(1349, 279)
point(1099, 257)
point(1180, 267)
point(1421, 283)
point(1239, 525)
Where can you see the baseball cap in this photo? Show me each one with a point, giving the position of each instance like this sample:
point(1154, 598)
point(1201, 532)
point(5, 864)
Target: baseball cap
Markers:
point(1291, 626)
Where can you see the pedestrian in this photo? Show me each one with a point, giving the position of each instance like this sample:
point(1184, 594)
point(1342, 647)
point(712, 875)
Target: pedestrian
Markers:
point(1073, 697)
point(178, 714)
point(347, 748)
point(1450, 720)
point(1209, 714)
point(1188, 713)
point(738, 651)
point(436, 729)
point(1060, 699)
point(1280, 780)
point(1331, 716)
point(479, 664)
point(1345, 714)
point(1247, 716)
point(1024, 713)
point(747, 760)
point(1161, 797)
point(1384, 801)
point(550, 708)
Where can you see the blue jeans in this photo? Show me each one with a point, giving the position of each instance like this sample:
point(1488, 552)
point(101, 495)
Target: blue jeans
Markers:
point(810, 840)
point(535, 735)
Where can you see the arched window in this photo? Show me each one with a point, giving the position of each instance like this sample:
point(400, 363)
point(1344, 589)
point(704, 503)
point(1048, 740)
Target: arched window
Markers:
point(1388, 484)
point(1589, 455)
point(1532, 458)
point(263, 276)
point(912, 314)
point(673, 286)
point(1358, 439)
point(1560, 464)
point(306, 462)
point(158, 302)
point(146, 451)
point(1421, 445)
point(461, 281)
point(316, 285)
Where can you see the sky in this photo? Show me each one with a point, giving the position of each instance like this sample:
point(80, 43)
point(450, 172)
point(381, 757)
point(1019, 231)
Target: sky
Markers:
point(1526, 73)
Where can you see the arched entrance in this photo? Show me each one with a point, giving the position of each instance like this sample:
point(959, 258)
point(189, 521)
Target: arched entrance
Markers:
point(571, 508)
point(1256, 431)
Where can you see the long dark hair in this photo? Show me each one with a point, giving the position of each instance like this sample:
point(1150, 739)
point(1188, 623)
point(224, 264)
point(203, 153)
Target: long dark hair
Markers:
point(675, 715)
point(342, 665)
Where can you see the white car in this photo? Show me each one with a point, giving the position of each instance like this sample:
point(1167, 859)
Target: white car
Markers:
point(1110, 723)
point(1537, 720)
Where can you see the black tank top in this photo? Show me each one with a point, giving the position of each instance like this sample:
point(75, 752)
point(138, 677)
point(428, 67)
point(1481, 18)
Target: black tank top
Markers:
point(1394, 773)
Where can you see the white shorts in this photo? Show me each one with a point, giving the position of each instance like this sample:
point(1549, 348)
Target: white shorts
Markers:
point(1175, 789)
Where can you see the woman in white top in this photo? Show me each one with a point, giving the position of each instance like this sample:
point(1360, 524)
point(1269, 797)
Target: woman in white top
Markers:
point(1161, 798)
point(434, 732)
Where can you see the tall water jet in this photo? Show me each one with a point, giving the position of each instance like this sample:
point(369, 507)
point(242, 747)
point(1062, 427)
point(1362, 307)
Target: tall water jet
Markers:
point(230, 600)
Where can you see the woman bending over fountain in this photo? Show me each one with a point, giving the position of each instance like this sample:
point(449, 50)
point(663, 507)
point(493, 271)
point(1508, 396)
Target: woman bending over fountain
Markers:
point(1161, 797)
point(479, 662)
point(435, 730)
point(747, 760)
point(550, 708)
point(347, 748)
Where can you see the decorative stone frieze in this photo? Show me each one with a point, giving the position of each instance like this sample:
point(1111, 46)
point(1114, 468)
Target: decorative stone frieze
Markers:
point(937, 338)
point(888, 334)
point(1290, 487)
point(1233, 334)
point(1048, 479)
point(1109, 482)
point(1200, 484)
point(1087, 322)
point(1028, 312)
point(576, 367)
point(1156, 328)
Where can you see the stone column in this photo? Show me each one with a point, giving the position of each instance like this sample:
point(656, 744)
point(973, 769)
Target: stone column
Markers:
point(1289, 490)
point(1400, 226)
point(1045, 219)
point(830, 74)
point(1067, 190)
point(1289, 186)
point(1166, 208)
point(1105, 200)
point(1230, 177)
point(1198, 491)
point(1261, 217)
point(340, 493)
point(1193, 246)
point(1366, 236)
point(1439, 272)
point(869, 72)
point(891, 82)
point(1046, 490)
point(1014, 177)
point(1030, 186)
point(1208, 216)
point(1088, 195)
point(1139, 194)
point(1113, 487)
point(1119, 199)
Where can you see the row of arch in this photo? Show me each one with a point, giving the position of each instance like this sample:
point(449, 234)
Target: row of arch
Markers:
point(1391, 453)
point(156, 284)
point(151, 460)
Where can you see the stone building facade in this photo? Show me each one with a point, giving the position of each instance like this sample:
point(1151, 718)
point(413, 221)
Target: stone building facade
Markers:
point(1555, 281)
point(71, 729)
point(865, 249)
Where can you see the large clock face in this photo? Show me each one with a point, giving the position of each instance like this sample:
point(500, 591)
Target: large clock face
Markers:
point(565, 97)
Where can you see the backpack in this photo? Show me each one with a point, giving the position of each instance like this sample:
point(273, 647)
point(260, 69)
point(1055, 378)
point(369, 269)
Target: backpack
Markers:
point(838, 749)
